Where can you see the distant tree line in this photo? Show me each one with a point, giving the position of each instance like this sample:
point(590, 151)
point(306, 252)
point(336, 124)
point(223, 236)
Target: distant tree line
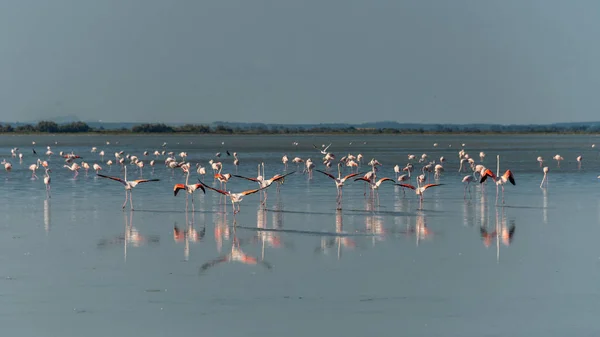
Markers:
point(81, 127)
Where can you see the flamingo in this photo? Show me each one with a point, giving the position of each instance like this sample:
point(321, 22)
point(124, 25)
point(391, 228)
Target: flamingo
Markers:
point(190, 189)
point(74, 167)
point(544, 182)
point(540, 160)
point(339, 183)
point(468, 179)
point(47, 182)
point(33, 168)
point(500, 181)
point(236, 198)
point(375, 185)
point(579, 159)
point(284, 160)
point(129, 186)
point(264, 183)
point(419, 190)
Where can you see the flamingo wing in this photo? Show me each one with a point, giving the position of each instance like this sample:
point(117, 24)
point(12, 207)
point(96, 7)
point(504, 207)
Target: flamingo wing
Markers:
point(363, 179)
point(327, 174)
point(113, 178)
point(279, 177)
point(139, 181)
point(200, 187)
point(351, 175)
point(247, 192)
point(385, 179)
point(214, 189)
point(177, 188)
point(431, 185)
point(407, 186)
point(485, 174)
point(251, 179)
point(508, 175)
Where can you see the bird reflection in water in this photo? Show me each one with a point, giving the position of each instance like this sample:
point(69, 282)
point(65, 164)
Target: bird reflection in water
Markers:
point(337, 241)
point(501, 232)
point(545, 205)
point(468, 213)
point(237, 255)
point(270, 238)
point(374, 225)
point(189, 234)
point(278, 214)
point(420, 230)
point(222, 230)
point(130, 237)
point(47, 215)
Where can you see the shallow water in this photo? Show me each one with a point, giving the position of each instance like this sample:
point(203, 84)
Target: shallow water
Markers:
point(76, 264)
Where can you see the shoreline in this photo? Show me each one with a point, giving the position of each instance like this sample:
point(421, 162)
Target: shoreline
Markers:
point(332, 133)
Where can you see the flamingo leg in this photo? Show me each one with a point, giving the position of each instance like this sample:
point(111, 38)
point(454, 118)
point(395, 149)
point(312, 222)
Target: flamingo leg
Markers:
point(126, 197)
point(131, 200)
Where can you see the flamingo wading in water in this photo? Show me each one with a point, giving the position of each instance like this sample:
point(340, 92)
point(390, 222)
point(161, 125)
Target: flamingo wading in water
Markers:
point(129, 186)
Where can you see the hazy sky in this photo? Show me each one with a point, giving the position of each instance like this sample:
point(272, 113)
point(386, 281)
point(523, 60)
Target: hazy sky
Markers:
point(291, 61)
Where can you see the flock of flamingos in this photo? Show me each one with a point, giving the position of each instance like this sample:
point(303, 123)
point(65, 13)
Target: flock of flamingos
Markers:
point(349, 168)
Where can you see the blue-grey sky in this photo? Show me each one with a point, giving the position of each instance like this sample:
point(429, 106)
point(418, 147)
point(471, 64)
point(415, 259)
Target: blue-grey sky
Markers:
point(310, 61)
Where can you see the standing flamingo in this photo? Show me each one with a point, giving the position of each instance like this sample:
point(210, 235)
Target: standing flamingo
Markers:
point(129, 186)
point(468, 179)
point(544, 182)
point(47, 182)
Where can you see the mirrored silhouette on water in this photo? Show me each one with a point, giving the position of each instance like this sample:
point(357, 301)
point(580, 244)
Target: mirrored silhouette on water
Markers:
point(189, 234)
point(130, 237)
point(337, 241)
point(501, 232)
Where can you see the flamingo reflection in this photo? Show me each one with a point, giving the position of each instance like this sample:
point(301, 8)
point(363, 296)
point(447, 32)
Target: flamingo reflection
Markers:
point(189, 234)
point(237, 255)
point(130, 237)
point(501, 232)
point(337, 241)
point(47, 215)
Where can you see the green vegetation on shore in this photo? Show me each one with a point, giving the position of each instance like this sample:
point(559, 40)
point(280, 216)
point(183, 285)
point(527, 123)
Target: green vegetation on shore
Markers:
point(82, 127)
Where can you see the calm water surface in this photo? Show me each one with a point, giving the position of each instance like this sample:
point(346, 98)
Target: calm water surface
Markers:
point(76, 264)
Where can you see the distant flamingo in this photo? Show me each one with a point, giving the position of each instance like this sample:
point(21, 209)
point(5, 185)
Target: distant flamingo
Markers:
point(579, 159)
point(129, 186)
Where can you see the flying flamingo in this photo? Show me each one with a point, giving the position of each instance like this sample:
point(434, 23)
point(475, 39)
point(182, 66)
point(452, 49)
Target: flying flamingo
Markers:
point(129, 186)
point(339, 183)
point(544, 182)
point(236, 198)
point(500, 181)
